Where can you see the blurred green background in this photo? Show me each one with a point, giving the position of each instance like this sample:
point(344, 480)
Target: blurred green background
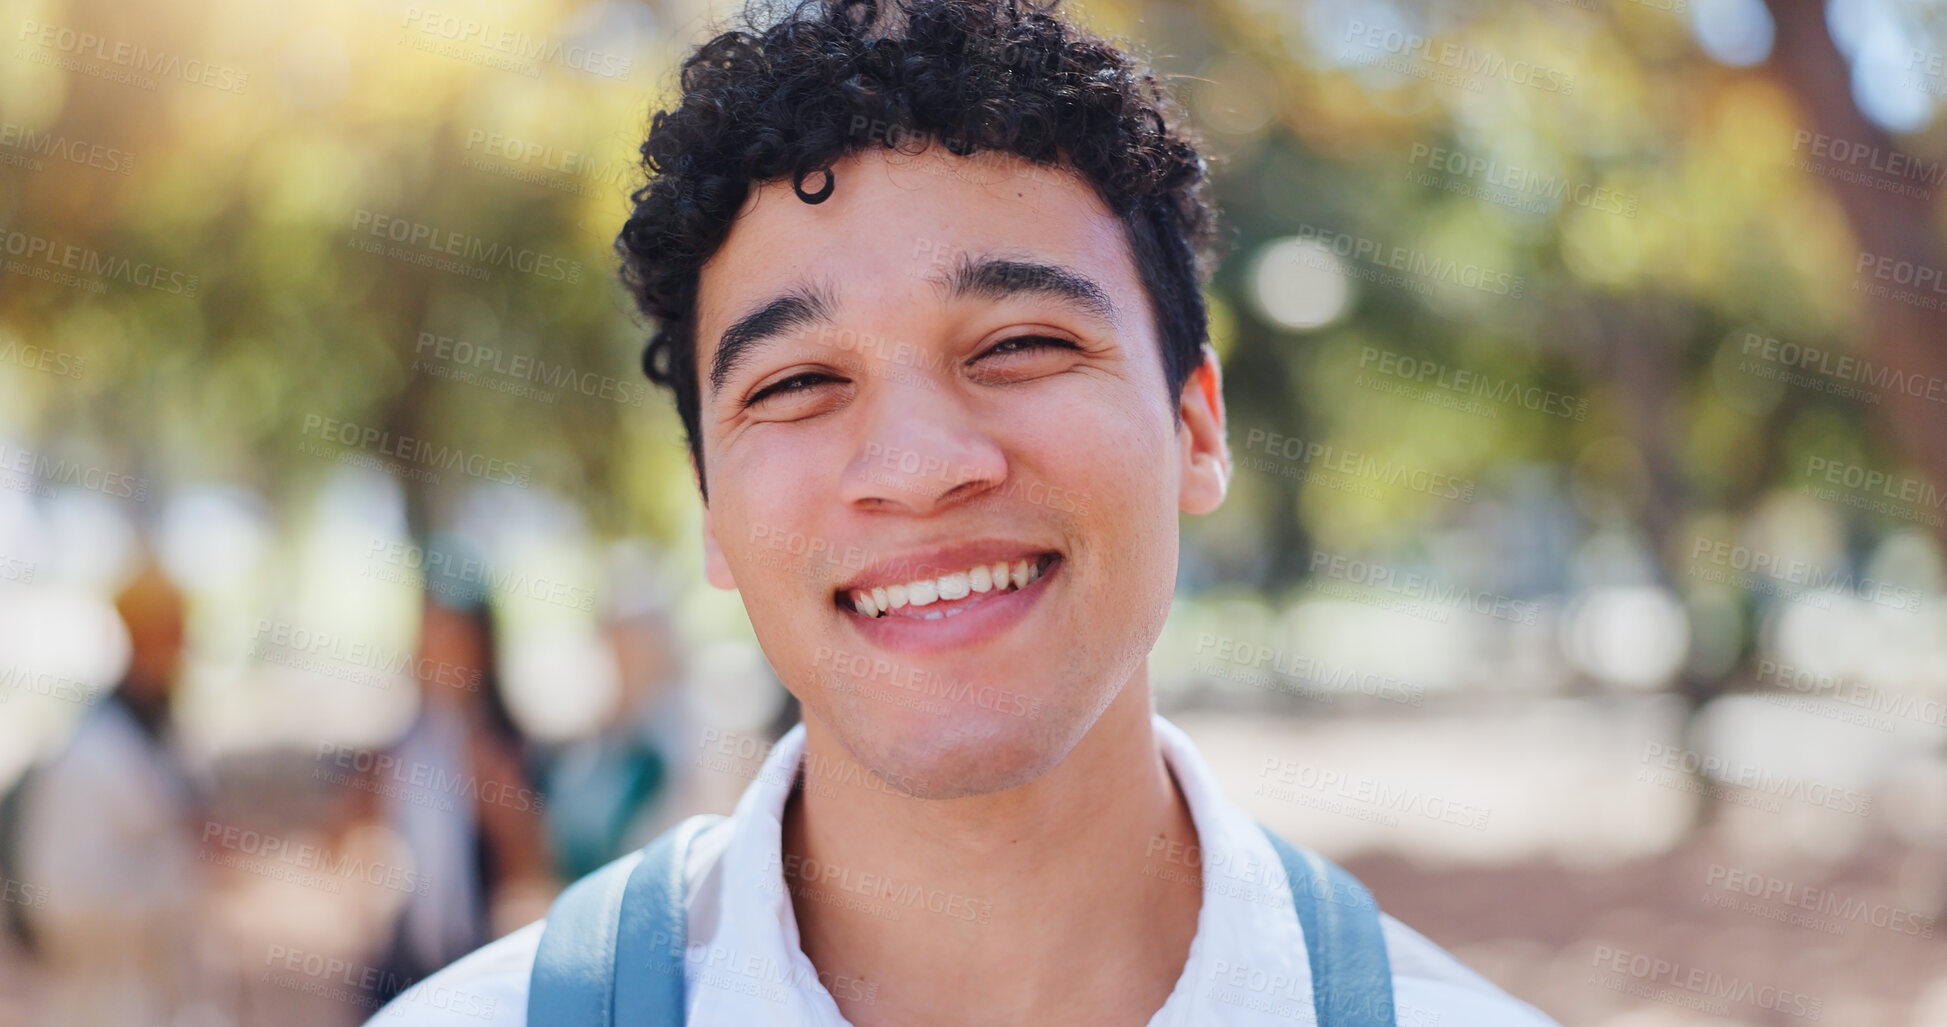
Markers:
point(1586, 365)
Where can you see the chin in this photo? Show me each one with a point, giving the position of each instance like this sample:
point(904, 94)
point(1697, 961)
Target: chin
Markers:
point(954, 749)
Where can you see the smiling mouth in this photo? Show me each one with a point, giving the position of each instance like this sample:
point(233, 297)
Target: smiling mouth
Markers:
point(947, 595)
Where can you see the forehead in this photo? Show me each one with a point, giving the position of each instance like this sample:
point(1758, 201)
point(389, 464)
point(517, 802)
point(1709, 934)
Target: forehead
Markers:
point(893, 220)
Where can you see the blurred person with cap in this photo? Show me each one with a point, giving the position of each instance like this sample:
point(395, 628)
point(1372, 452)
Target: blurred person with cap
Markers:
point(108, 834)
point(458, 789)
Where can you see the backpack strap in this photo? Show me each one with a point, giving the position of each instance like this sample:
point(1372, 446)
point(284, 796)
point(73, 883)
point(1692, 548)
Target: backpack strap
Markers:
point(629, 915)
point(1352, 980)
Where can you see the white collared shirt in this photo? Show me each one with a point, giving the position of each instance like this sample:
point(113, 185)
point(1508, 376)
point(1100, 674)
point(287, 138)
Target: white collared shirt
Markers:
point(1247, 965)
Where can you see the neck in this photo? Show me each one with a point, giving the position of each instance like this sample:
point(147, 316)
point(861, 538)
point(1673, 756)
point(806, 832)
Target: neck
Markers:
point(1023, 906)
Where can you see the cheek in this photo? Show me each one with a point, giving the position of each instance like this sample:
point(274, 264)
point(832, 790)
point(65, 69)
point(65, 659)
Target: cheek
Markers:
point(1115, 458)
point(767, 501)
point(1115, 452)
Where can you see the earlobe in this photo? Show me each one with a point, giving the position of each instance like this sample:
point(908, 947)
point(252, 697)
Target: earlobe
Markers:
point(1206, 453)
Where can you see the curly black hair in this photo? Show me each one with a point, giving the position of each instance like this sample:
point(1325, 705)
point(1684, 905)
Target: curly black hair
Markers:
point(802, 87)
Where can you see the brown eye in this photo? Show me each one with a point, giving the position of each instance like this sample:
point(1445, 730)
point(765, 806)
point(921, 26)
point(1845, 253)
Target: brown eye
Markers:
point(795, 383)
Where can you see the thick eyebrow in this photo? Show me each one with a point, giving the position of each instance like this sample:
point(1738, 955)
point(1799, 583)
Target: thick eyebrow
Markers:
point(1000, 277)
point(803, 306)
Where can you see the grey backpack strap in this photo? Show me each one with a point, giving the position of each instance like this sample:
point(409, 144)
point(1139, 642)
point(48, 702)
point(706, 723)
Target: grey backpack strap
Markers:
point(1352, 980)
point(612, 950)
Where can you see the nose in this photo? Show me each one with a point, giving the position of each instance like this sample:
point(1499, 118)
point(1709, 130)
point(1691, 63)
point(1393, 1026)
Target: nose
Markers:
point(923, 452)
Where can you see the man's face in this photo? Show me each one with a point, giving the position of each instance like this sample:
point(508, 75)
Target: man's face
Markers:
point(940, 382)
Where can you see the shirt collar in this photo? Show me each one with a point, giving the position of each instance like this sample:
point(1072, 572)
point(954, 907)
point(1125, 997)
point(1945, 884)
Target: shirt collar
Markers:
point(1247, 962)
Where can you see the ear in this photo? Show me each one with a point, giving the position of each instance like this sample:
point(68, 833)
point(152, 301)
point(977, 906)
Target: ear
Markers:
point(1206, 455)
point(715, 567)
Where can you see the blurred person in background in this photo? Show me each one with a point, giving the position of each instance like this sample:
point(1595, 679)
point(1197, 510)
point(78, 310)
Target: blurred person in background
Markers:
point(610, 793)
point(108, 833)
point(457, 788)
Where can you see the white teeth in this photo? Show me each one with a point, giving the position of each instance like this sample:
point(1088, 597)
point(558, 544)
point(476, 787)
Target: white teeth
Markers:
point(998, 577)
point(954, 586)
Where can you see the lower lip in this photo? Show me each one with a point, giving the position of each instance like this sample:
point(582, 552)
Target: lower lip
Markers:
point(977, 624)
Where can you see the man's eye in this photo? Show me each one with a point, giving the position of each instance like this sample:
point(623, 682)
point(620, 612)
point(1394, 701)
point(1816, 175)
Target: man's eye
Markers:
point(1023, 343)
point(795, 383)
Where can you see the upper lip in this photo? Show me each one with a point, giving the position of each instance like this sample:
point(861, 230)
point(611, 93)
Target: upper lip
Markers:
point(933, 561)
